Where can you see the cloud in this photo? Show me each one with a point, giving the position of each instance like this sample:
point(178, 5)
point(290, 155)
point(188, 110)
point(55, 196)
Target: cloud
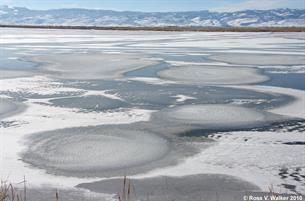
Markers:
point(262, 5)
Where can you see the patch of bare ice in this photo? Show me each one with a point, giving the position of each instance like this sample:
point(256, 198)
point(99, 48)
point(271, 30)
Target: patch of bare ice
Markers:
point(92, 66)
point(213, 75)
point(213, 116)
point(93, 151)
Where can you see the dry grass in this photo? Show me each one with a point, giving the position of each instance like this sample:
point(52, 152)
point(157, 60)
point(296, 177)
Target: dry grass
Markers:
point(9, 193)
point(168, 28)
point(126, 191)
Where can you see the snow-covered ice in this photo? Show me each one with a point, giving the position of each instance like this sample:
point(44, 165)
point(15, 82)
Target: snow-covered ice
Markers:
point(69, 112)
point(294, 109)
point(257, 157)
point(260, 59)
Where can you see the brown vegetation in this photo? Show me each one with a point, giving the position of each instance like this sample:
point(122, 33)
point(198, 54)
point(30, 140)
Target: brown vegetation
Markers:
point(9, 193)
point(168, 28)
point(126, 191)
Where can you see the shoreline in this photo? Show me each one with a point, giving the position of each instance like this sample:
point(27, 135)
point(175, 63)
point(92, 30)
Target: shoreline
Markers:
point(163, 28)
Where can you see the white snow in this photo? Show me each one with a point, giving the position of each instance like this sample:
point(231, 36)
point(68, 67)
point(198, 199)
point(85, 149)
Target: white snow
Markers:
point(227, 40)
point(254, 156)
point(104, 93)
point(183, 98)
point(36, 85)
point(16, 15)
point(294, 109)
point(242, 22)
point(151, 80)
point(257, 160)
point(259, 59)
point(39, 117)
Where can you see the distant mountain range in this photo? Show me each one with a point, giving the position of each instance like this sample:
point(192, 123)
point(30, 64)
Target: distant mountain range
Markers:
point(90, 17)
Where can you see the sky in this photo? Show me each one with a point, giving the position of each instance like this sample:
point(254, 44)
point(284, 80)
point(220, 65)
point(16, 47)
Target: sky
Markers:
point(158, 5)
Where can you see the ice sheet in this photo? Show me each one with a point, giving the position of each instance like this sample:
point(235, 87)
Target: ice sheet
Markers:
point(216, 116)
point(254, 156)
point(37, 85)
point(259, 59)
point(215, 75)
point(294, 109)
point(93, 151)
point(92, 66)
point(257, 157)
point(39, 118)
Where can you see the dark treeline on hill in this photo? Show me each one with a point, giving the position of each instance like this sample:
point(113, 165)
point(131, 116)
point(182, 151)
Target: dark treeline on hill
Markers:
point(168, 28)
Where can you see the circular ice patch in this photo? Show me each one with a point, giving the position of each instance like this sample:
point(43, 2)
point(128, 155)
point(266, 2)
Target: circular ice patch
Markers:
point(214, 116)
point(215, 75)
point(95, 103)
point(92, 150)
point(92, 66)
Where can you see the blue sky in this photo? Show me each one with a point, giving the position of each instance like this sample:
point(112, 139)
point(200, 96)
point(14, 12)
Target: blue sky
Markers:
point(158, 5)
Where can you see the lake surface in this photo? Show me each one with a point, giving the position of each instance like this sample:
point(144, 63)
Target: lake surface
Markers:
point(80, 109)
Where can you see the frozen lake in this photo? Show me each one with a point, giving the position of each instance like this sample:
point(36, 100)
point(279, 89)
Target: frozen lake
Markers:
point(80, 109)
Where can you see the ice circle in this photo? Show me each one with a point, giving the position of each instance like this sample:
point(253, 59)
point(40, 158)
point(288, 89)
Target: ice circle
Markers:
point(214, 116)
point(92, 66)
point(93, 151)
point(213, 75)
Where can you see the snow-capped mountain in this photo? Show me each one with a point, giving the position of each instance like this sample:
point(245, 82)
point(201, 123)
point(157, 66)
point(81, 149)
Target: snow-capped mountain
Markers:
point(87, 17)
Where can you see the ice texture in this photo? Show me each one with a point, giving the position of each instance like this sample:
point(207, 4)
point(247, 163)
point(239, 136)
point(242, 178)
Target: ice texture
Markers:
point(256, 156)
point(295, 109)
point(215, 75)
point(92, 66)
point(94, 151)
point(93, 103)
point(214, 116)
point(260, 59)
point(260, 157)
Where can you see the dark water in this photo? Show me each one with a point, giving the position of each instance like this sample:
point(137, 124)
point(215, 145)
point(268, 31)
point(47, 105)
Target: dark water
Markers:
point(289, 80)
point(14, 64)
point(147, 96)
